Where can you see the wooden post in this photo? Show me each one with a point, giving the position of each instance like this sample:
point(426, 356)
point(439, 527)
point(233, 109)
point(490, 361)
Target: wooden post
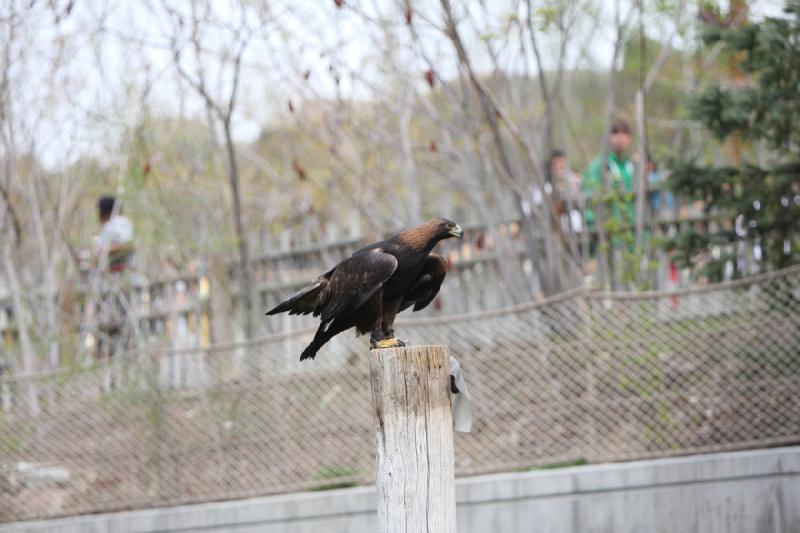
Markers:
point(414, 440)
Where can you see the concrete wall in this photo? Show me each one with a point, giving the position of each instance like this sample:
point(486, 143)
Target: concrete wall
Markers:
point(746, 492)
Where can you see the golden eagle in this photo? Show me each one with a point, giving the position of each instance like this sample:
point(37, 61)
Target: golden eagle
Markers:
point(370, 287)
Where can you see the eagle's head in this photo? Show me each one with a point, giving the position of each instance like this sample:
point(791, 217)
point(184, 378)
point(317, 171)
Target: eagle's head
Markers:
point(446, 228)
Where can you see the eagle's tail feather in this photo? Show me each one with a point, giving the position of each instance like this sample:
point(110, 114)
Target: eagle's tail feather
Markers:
point(302, 303)
point(325, 332)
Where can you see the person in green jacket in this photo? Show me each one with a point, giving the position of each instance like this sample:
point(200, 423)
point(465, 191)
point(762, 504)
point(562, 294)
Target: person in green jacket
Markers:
point(620, 177)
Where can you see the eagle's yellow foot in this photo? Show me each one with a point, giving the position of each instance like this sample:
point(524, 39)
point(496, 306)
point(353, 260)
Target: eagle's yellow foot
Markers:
point(391, 342)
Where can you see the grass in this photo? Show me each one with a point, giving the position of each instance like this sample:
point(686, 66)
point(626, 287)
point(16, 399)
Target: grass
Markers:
point(553, 466)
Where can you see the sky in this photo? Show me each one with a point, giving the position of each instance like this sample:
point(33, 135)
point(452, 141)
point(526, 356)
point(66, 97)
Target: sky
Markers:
point(116, 60)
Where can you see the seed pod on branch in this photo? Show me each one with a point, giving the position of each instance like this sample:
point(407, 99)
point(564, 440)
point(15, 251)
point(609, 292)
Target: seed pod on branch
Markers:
point(299, 170)
point(429, 77)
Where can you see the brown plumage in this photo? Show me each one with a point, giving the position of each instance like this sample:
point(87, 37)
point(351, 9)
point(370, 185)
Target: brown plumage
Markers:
point(369, 288)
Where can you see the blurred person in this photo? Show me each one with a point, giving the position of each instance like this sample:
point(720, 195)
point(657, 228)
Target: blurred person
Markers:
point(115, 241)
point(113, 250)
point(661, 200)
point(568, 184)
point(620, 175)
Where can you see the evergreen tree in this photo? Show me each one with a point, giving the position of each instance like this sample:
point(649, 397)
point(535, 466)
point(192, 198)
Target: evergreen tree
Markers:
point(763, 107)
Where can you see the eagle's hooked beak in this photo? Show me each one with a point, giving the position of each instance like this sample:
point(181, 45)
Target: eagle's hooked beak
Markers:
point(457, 232)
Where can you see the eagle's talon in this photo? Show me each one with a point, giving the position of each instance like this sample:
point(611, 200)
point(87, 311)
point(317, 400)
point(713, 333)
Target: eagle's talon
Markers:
point(387, 343)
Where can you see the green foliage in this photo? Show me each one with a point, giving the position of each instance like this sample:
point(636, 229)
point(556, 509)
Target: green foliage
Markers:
point(554, 466)
point(763, 108)
point(338, 474)
point(546, 16)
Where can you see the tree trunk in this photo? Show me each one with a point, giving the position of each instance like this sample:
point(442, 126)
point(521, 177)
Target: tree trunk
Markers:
point(605, 249)
point(414, 439)
point(414, 196)
point(28, 355)
point(245, 284)
point(641, 173)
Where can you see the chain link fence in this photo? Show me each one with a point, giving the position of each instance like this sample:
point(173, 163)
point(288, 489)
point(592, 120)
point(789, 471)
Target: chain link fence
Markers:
point(583, 377)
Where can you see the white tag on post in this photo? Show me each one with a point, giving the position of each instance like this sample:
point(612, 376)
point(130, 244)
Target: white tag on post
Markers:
point(459, 399)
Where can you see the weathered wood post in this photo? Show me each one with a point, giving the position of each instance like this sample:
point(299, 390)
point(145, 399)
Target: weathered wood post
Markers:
point(414, 439)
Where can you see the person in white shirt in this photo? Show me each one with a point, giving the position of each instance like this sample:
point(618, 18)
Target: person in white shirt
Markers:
point(568, 184)
point(112, 252)
point(116, 236)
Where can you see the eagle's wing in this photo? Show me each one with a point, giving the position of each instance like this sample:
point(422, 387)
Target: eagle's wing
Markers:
point(354, 281)
point(343, 288)
point(426, 286)
point(307, 299)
